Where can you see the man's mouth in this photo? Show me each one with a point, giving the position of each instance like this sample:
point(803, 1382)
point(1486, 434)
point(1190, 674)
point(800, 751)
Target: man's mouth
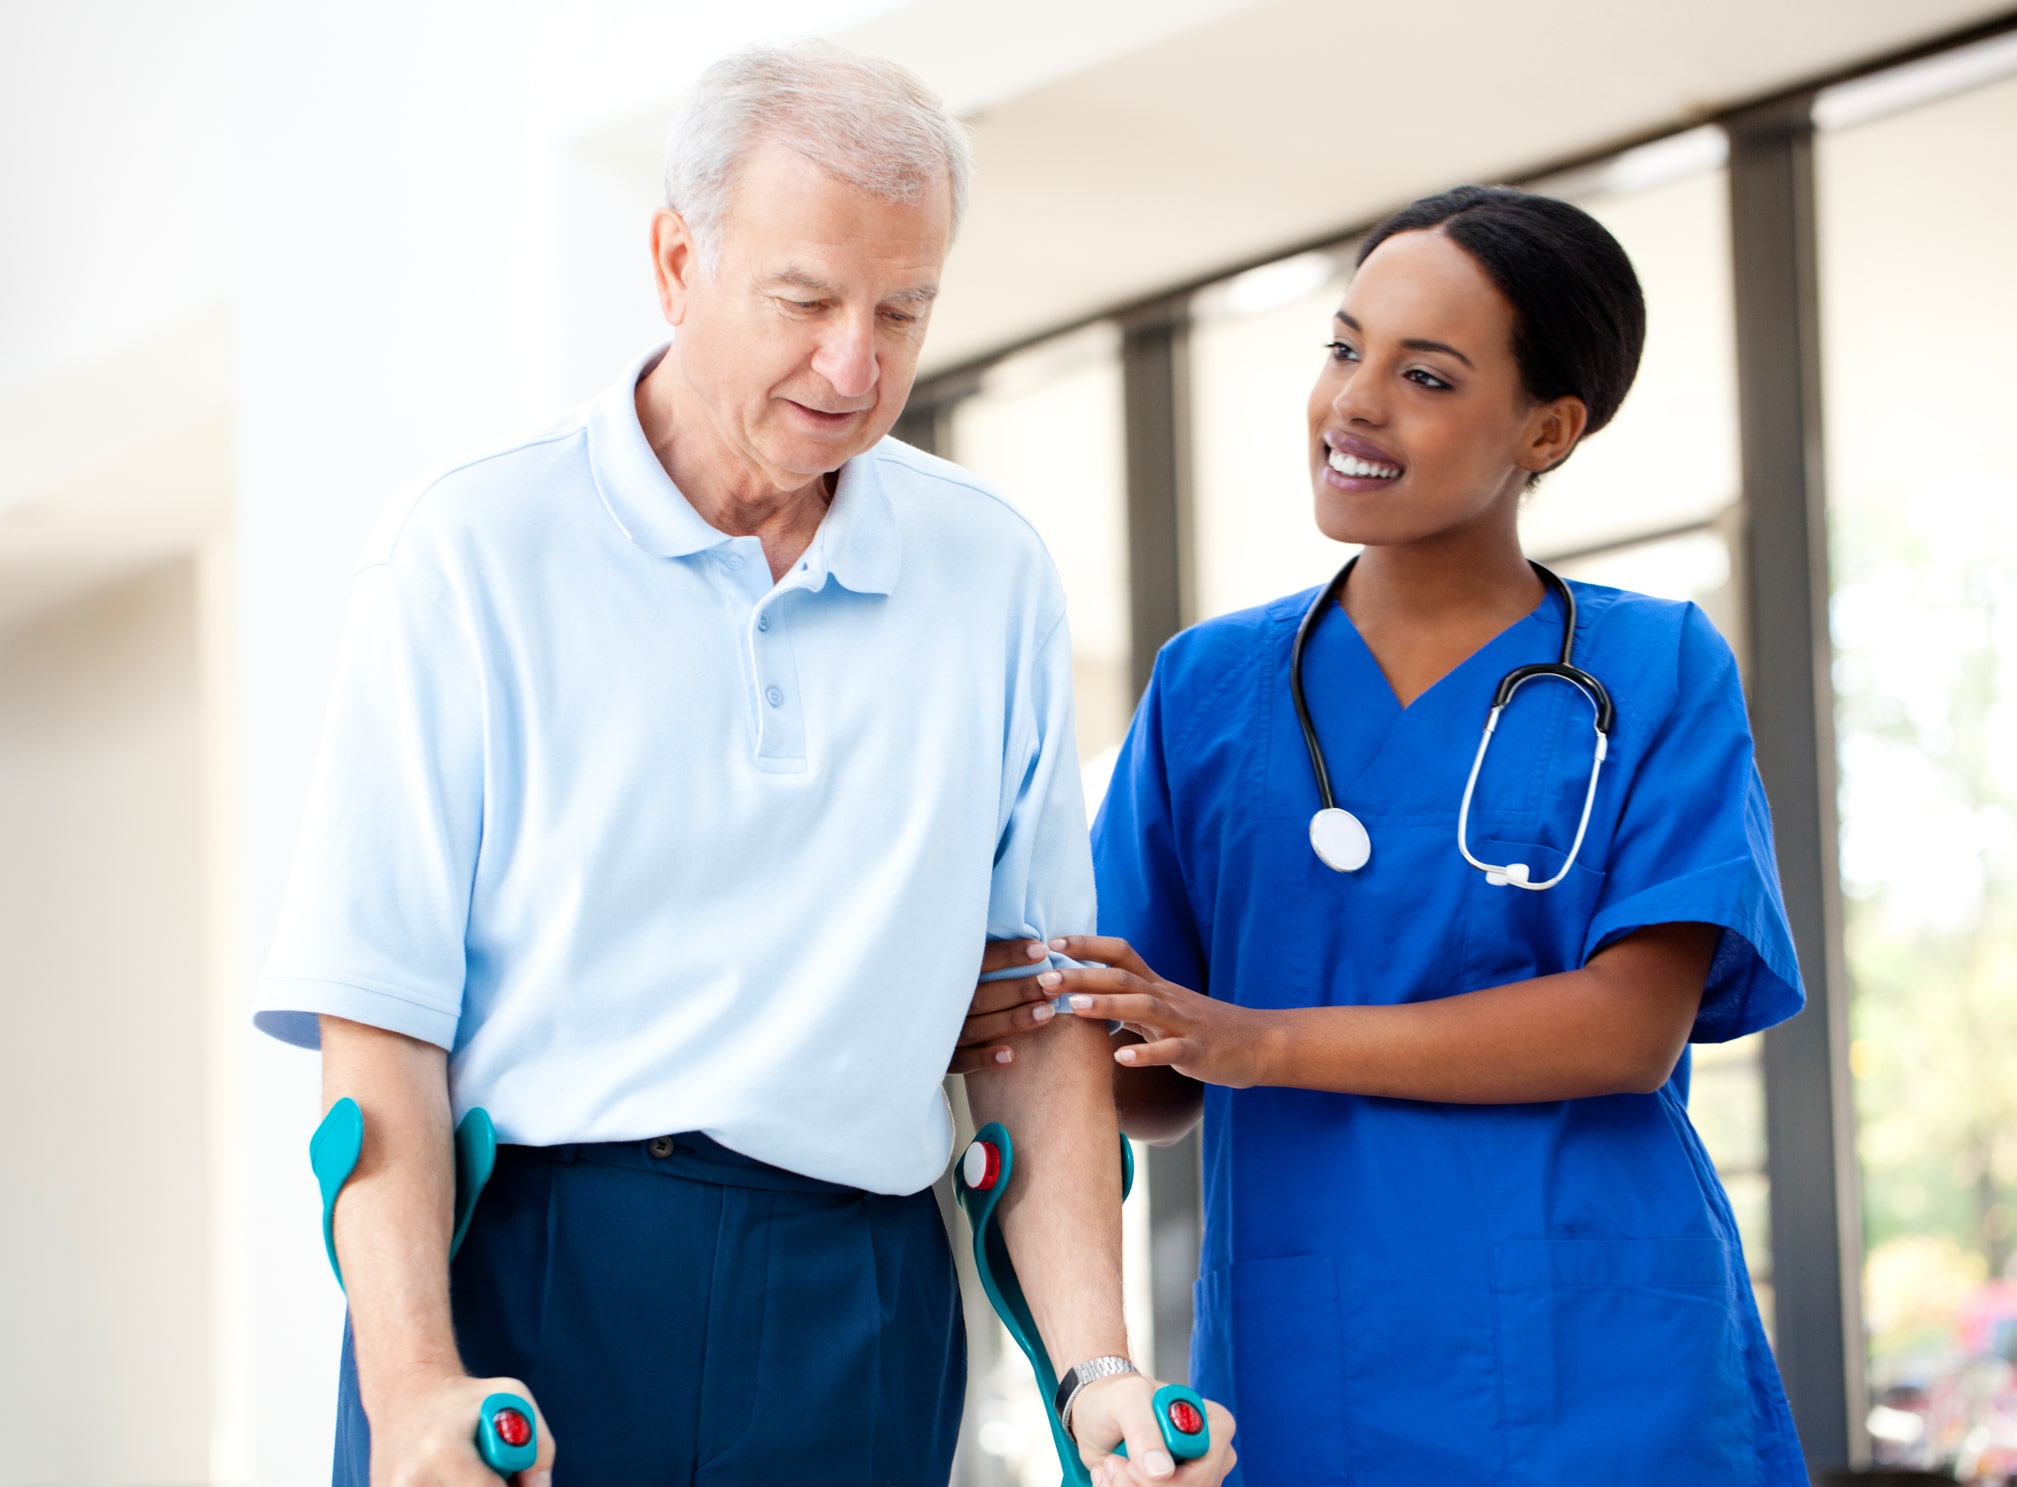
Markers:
point(825, 415)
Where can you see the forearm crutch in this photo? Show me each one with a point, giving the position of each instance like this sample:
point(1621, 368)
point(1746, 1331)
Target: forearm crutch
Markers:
point(506, 1436)
point(980, 1179)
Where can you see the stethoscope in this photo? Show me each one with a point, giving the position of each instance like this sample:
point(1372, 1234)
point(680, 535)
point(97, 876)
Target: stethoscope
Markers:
point(1340, 838)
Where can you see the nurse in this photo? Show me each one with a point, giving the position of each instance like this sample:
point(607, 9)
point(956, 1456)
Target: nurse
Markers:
point(1458, 1226)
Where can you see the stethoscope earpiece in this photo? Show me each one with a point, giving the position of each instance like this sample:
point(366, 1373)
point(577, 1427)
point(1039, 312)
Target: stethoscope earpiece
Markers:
point(1341, 840)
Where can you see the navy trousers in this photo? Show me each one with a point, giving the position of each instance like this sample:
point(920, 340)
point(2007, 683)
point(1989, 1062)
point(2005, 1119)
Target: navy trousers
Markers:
point(698, 1319)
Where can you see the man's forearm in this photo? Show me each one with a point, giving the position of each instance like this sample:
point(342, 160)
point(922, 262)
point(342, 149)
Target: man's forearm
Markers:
point(1062, 1217)
point(394, 1218)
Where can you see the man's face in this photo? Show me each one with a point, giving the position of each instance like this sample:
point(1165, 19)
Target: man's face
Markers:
point(799, 349)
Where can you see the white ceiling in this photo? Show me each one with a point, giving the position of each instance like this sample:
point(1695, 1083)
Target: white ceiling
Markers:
point(1285, 121)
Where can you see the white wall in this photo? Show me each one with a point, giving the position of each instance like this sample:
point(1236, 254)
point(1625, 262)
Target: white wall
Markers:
point(107, 1334)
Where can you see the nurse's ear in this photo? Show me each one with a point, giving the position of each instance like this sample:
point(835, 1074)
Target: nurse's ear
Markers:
point(1551, 432)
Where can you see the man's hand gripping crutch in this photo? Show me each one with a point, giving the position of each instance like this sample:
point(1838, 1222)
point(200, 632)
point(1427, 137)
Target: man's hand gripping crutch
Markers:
point(408, 1185)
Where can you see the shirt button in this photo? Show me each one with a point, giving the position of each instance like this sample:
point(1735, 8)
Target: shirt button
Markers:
point(659, 1146)
point(774, 696)
point(732, 562)
point(763, 622)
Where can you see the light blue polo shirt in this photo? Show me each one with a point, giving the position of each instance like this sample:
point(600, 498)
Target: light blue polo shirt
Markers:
point(652, 844)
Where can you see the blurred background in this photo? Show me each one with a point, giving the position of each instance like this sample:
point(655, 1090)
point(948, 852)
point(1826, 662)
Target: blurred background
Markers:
point(260, 264)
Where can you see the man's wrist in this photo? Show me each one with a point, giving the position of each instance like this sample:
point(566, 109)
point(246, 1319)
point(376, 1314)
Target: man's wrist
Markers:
point(381, 1384)
point(1082, 1376)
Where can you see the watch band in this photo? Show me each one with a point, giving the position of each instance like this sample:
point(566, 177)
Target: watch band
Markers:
point(1075, 1379)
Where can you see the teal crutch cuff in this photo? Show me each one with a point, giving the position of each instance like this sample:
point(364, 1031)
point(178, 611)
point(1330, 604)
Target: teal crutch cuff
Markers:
point(339, 1140)
point(333, 1151)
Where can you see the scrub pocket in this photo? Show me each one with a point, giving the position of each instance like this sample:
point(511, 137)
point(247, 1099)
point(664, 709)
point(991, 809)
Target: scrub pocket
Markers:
point(1622, 1362)
point(1512, 934)
point(1267, 1346)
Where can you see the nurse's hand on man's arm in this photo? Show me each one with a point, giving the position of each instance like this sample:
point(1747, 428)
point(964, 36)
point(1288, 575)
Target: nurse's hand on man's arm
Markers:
point(1208, 1040)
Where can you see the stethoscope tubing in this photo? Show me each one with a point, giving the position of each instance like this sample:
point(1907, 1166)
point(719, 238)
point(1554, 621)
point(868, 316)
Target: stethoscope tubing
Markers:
point(1563, 669)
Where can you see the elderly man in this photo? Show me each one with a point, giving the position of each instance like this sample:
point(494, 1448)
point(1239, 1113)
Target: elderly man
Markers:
point(681, 757)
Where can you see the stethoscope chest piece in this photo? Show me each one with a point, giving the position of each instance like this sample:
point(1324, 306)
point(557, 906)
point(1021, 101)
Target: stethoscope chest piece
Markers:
point(1340, 839)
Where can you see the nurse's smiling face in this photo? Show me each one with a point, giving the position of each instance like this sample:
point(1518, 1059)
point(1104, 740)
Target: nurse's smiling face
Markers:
point(1420, 425)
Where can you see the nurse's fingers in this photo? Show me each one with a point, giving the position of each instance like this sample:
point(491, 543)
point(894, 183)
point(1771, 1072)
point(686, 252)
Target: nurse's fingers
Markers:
point(979, 1060)
point(1003, 996)
point(1004, 955)
point(1107, 950)
point(993, 1027)
point(1136, 1009)
point(1092, 978)
point(1162, 1051)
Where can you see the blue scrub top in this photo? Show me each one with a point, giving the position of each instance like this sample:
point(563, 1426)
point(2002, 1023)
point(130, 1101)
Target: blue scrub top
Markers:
point(1395, 1291)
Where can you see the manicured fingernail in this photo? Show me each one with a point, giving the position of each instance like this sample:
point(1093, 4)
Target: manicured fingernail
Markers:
point(1125, 1055)
point(542, 1479)
point(1060, 943)
point(1043, 1012)
point(1036, 951)
point(1051, 978)
point(1158, 1463)
point(1004, 1056)
point(1081, 1003)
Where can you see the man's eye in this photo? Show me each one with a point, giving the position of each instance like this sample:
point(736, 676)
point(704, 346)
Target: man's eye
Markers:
point(1341, 350)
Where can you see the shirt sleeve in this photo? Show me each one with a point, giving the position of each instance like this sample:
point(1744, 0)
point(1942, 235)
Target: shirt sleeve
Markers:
point(1694, 845)
point(1141, 881)
point(1043, 878)
point(376, 912)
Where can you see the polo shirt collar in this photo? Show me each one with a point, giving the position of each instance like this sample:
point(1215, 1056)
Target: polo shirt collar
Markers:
point(858, 537)
point(857, 543)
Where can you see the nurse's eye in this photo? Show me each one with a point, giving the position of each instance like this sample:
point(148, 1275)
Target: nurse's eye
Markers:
point(1342, 350)
point(1427, 379)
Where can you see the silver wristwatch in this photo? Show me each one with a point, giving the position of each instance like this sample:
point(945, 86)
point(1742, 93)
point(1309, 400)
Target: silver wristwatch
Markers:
point(1077, 1378)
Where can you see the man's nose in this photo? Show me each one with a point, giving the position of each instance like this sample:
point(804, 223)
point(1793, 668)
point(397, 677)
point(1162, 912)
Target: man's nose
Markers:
point(846, 356)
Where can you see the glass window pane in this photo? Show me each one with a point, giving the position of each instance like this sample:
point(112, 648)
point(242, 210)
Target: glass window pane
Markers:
point(1670, 457)
point(1255, 350)
point(1046, 429)
point(1919, 309)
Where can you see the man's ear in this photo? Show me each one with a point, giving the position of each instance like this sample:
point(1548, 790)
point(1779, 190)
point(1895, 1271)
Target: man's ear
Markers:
point(1552, 432)
point(675, 262)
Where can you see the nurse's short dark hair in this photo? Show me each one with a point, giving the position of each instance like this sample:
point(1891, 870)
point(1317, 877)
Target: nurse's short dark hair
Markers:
point(1579, 316)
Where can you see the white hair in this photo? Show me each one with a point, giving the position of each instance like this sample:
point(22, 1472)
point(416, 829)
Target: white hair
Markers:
point(862, 120)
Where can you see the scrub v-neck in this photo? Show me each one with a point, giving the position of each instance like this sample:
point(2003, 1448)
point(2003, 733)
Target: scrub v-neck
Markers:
point(1360, 717)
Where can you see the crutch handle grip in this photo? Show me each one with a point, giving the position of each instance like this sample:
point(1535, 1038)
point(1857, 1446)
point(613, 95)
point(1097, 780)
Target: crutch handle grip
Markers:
point(507, 1433)
point(1180, 1415)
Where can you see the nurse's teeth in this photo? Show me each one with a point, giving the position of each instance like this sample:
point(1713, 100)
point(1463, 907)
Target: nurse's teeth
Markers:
point(1347, 464)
